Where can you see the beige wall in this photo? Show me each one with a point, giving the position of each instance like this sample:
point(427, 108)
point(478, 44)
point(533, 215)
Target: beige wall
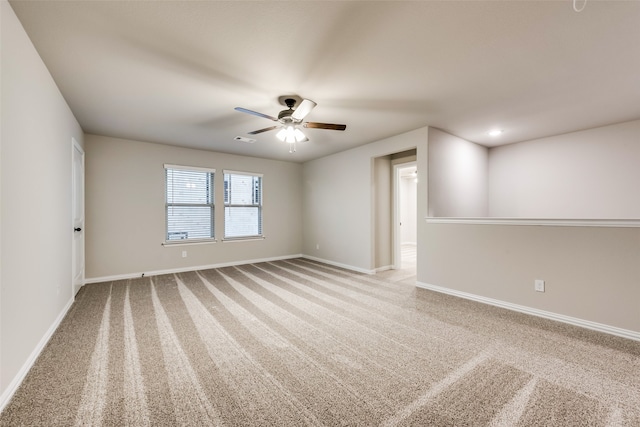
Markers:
point(35, 203)
point(125, 209)
point(591, 273)
point(339, 203)
point(382, 196)
point(588, 174)
point(458, 176)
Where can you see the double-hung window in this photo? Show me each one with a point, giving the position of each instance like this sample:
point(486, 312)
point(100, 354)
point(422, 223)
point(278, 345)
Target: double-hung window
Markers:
point(242, 205)
point(189, 203)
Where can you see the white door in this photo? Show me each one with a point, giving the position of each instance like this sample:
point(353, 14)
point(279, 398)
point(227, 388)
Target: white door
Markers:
point(78, 217)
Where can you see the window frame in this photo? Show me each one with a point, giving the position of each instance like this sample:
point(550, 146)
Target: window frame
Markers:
point(211, 205)
point(227, 204)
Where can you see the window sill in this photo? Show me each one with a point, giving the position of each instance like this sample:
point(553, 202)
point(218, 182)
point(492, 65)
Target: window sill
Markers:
point(621, 223)
point(186, 242)
point(243, 239)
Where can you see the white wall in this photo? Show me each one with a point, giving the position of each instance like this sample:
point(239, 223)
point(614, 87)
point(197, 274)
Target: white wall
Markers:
point(338, 200)
point(408, 209)
point(458, 176)
point(588, 174)
point(125, 209)
point(35, 203)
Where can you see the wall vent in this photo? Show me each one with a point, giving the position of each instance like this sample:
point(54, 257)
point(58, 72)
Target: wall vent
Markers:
point(244, 139)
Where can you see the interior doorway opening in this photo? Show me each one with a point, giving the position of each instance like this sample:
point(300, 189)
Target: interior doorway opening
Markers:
point(387, 209)
point(405, 215)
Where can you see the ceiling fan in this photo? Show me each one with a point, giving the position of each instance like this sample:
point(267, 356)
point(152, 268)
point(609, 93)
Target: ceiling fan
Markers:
point(290, 119)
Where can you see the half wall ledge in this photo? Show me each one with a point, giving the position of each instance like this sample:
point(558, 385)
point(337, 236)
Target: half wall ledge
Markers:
point(619, 223)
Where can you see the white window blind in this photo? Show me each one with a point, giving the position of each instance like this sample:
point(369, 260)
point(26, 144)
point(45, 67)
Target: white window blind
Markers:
point(189, 203)
point(242, 205)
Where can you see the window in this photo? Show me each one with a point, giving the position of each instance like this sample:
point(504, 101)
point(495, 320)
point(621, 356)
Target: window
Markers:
point(242, 205)
point(189, 203)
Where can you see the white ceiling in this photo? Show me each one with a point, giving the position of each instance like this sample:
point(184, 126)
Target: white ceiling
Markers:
point(172, 72)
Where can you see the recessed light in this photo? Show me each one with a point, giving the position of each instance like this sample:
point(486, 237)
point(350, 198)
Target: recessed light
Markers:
point(495, 132)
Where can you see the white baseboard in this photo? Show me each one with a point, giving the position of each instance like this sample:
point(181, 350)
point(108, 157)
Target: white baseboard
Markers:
point(384, 268)
point(184, 269)
point(22, 373)
point(600, 327)
point(338, 264)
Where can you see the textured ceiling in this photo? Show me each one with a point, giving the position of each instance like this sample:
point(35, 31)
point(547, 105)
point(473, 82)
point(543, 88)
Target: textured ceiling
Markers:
point(172, 72)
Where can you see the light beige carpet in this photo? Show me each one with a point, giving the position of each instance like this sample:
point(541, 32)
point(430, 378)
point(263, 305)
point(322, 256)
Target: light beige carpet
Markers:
point(296, 342)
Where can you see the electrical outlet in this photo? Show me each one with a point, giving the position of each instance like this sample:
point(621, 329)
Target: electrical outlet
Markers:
point(184, 254)
point(538, 285)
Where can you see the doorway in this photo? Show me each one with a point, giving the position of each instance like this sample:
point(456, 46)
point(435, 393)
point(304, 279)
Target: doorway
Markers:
point(77, 212)
point(405, 215)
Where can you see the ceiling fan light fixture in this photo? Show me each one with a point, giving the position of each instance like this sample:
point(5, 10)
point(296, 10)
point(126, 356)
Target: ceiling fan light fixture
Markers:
point(297, 133)
point(291, 134)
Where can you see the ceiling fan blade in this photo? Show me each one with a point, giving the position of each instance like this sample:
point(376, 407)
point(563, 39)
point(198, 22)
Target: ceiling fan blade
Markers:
point(331, 126)
point(255, 113)
point(303, 109)
point(263, 130)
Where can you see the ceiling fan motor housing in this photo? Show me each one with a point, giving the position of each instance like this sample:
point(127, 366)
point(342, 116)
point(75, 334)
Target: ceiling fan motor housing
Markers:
point(285, 115)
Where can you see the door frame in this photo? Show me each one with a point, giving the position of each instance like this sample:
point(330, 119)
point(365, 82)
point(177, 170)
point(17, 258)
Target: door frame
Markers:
point(77, 281)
